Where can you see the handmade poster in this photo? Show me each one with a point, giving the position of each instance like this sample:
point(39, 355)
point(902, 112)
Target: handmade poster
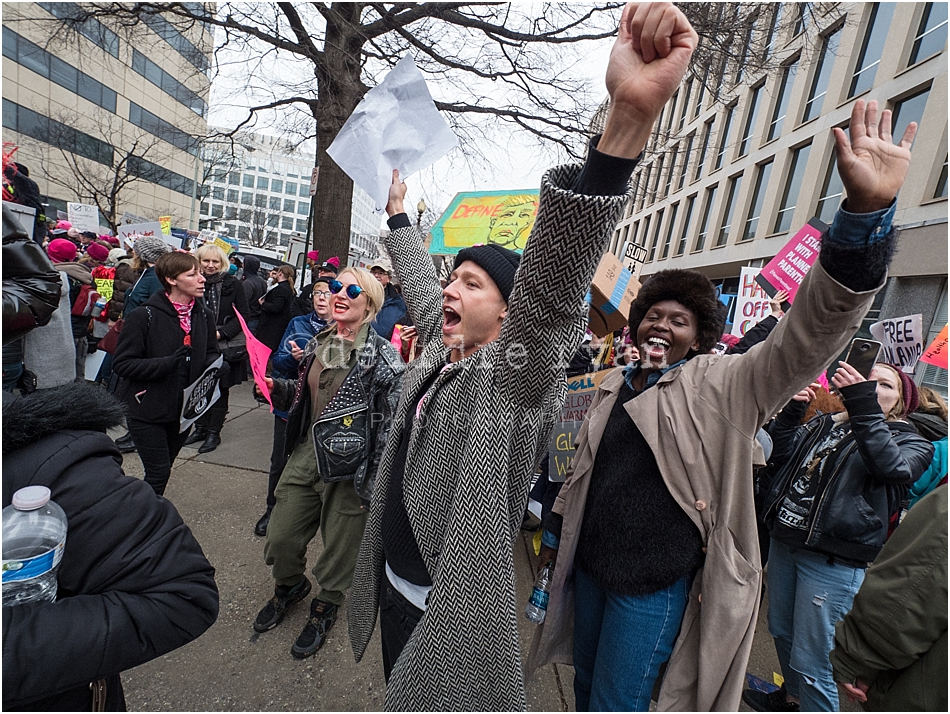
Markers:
point(478, 217)
point(152, 228)
point(395, 126)
point(580, 394)
point(166, 224)
point(259, 353)
point(201, 394)
point(936, 352)
point(83, 216)
point(902, 340)
point(752, 303)
point(788, 268)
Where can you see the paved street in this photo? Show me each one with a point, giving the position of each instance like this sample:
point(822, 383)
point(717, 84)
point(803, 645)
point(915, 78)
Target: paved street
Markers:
point(231, 668)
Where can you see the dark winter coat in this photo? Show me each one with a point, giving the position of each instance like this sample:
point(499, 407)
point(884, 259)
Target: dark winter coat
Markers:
point(146, 286)
point(78, 275)
point(31, 287)
point(275, 314)
point(390, 313)
point(125, 278)
point(254, 287)
point(232, 298)
point(151, 362)
point(863, 480)
point(353, 429)
point(133, 582)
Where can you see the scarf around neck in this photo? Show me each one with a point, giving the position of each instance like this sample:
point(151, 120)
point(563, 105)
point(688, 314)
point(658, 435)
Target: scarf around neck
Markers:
point(184, 316)
point(213, 285)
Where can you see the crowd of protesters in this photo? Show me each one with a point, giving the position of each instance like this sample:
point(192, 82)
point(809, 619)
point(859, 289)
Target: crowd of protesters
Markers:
point(410, 425)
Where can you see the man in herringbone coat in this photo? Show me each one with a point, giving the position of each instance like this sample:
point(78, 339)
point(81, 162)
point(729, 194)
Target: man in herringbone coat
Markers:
point(480, 402)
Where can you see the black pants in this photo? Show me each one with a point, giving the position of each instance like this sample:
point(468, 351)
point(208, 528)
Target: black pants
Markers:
point(397, 619)
point(213, 419)
point(157, 446)
point(278, 459)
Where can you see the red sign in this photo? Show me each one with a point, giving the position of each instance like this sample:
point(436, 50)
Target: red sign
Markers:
point(936, 354)
point(788, 268)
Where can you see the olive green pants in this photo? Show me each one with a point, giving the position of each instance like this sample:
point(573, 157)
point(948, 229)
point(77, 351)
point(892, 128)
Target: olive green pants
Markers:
point(304, 504)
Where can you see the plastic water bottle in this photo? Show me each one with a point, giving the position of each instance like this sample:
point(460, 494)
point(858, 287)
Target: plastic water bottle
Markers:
point(538, 604)
point(34, 535)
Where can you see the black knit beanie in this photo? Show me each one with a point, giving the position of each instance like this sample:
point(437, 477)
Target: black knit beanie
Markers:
point(500, 263)
point(692, 290)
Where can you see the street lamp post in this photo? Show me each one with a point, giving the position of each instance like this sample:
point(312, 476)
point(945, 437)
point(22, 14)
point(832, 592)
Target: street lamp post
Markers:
point(421, 208)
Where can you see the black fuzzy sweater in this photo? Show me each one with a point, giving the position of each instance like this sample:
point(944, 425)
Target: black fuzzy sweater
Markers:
point(635, 538)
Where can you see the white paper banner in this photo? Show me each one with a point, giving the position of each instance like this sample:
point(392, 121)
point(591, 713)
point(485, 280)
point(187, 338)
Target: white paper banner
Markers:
point(752, 303)
point(201, 394)
point(396, 126)
point(152, 228)
point(83, 216)
point(902, 340)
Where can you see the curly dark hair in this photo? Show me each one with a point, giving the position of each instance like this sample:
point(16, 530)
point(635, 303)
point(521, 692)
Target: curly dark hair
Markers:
point(692, 290)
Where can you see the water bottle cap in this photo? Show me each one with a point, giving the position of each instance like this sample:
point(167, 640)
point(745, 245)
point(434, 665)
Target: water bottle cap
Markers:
point(31, 498)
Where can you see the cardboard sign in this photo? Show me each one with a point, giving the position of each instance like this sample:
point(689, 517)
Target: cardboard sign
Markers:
point(612, 292)
point(83, 216)
point(152, 228)
point(259, 354)
point(580, 394)
point(936, 353)
point(902, 340)
point(752, 303)
point(133, 218)
point(166, 224)
point(478, 217)
point(201, 394)
point(788, 268)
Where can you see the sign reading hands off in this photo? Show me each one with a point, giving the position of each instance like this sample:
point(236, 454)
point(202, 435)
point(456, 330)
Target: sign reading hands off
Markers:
point(396, 126)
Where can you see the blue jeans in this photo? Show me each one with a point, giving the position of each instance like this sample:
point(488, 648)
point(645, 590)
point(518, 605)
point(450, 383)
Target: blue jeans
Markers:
point(807, 597)
point(620, 641)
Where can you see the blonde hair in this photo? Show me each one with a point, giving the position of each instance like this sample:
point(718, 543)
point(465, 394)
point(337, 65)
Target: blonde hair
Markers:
point(931, 402)
point(207, 249)
point(375, 295)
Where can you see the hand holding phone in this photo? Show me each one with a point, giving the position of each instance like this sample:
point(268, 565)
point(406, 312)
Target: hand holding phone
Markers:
point(862, 355)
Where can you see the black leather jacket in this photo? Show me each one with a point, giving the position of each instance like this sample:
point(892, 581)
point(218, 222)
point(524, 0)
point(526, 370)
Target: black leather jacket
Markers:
point(351, 432)
point(862, 481)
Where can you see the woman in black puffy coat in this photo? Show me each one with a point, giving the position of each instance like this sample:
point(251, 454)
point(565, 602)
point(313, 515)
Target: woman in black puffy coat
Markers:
point(224, 294)
point(276, 308)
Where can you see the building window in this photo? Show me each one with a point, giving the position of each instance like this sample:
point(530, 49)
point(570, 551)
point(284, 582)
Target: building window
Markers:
point(941, 191)
point(734, 184)
point(646, 186)
point(685, 167)
point(287, 223)
point(303, 208)
point(763, 172)
point(244, 233)
point(247, 198)
point(704, 222)
point(819, 85)
point(831, 192)
point(262, 183)
point(164, 29)
point(301, 225)
point(700, 94)
point(671, 171)
point(724, 136)
point(642, 237)
point(304, 190)
point(289, 205)
point(669, 232)
point(276, 186)
point(872, 48)
point(684, 110)
point(672, 115)
point(167, 83)
point(291, 188)
point(684, 233)
point(704, 148)
point(217, 193)
point(161, 176)
point(42, 128)
point(907, 111)
point(91, 29)
point(928, 374)
point(144, 119)
point(781, 101)
point(232, 195)
point(274, 203)
point(793, 187)
point(217, 210)
point(801, 19)
point(234, 178)
point(931, 34)
point(248, 181)
point(260, 200)
point(656, 235)
point(754, 101)
point(655, 194)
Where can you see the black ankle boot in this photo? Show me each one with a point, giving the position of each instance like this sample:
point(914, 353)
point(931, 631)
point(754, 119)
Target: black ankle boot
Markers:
point(212, 441)
point(197, 435)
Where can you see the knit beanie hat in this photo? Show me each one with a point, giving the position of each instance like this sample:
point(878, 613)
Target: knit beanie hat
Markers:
point(115, 255)
point(61, 250)
point(151, 248)
point(500, 263)
point(908, 390)
point(97, 252)
point(332, 264)
point(73, 233)
point(111, 240)
point(313, 255)
point(63, 225)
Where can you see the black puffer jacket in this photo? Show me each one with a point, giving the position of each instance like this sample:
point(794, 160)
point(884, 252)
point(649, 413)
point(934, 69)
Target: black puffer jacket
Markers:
point(275, 314)
point(31, 287)
point(862, 482)
point(133, 583)
point(354, 427)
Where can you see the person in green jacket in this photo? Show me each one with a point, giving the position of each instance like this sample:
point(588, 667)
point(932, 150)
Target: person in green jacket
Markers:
point(891, 650)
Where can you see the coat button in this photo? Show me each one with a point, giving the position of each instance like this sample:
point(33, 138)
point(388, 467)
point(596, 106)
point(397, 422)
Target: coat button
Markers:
point(700, 505)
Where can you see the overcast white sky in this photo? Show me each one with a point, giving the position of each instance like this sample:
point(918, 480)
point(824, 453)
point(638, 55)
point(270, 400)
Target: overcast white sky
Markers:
point(512, 160)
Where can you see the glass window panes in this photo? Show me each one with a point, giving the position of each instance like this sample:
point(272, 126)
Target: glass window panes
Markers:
point(63, 74)
point(941, 190)
point(703, 149)
point(724, 135)
point(274, 203)
point(234, 178)
point(872, 48)
point(276, 186)
point(232, 195)
point(907, 111)
point(34, 58)
point(684, 232)
point(785, 82)
point(656, 235)
point(248, 181)
point(302, 225)
point(654, 194)
point(763, 172)
point(684, 109)
point(700, 94)
point(734, 184)
point(247, 197)
point(289, 205)
point(669, 231)
point(646, 186)
point(273, 220)
point(931, 34)
point(671, 171)
point(303, 208)
point(681, 181)
point(304, 190)
point(819, 84)
point(707, 212)
point(217, 210)
point(831, 193)
point(755, 100)
point(793, 186)
point(260, 200)
point(262, 183)
point(291, 188)
point(287, 223)
point(217, 193)
point(930, 375)
point(642, 237)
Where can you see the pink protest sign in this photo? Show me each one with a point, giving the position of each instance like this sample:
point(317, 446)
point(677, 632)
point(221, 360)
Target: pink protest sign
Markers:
point(788, 268)
point(936, 354)
point(259, 354)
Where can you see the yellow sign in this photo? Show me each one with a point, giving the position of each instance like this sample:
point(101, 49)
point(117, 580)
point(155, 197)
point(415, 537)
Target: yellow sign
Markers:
point(477, 217)
point(104, 286)
point(166, 222)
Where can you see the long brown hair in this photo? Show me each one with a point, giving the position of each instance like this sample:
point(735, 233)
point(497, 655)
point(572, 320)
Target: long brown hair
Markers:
point(931, 402)
point(289, 272)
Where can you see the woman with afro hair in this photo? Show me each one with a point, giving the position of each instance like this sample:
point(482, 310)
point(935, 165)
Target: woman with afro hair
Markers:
point(654, 531)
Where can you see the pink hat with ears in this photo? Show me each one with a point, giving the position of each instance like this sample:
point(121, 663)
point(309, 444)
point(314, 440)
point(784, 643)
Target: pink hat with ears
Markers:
point(63, 225)
point(334, 261)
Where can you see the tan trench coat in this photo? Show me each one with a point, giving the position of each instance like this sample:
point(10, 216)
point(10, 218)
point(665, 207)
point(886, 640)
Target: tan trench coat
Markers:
point(700, 421)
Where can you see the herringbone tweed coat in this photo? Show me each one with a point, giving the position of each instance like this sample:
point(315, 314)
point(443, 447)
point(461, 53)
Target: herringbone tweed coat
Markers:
point(472, 453)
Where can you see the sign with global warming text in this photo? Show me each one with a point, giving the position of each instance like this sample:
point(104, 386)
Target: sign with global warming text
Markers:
point(478, 217)
point(580, 394)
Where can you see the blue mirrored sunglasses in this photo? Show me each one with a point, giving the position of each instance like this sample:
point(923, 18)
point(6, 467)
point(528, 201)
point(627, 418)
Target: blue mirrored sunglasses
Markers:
point(352, 291)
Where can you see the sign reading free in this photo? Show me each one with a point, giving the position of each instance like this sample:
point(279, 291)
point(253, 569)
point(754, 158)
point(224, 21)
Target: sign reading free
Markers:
point(902, 340)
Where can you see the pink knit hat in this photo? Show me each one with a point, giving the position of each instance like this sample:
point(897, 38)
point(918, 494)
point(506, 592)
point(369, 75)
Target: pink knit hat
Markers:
point(61, 250)
point(97, 252)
